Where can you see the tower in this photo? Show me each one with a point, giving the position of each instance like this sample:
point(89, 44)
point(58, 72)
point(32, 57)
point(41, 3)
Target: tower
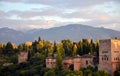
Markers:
point(109, 55)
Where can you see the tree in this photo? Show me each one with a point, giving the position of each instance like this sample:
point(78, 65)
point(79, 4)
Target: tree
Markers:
point(80, 49)
point(50, 73)
point(67, 45)
point(87, 72)
point(14, 58)
point(28, 72)
point(8, 49)
point(97, 50)
point(55, 47)
point(48, 48)
point(91, 47)
point(103, 73)
point(38, 57)
point(78, 73)
point(1, 48)
point(74, 73)
point(60, 50)
point(39, 39)
point(40, 46)
point(20, 47)
point(74, 52)
point(60, 55)
point(85, 46)
point(34, 47)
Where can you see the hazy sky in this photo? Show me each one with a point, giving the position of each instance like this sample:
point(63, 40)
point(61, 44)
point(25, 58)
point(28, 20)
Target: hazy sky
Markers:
point(29, 14)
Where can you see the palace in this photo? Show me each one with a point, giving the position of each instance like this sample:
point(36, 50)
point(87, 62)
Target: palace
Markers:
point(78, 62)
point(109, 58)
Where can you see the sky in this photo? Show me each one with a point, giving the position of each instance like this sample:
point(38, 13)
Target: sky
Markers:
point(34, 14)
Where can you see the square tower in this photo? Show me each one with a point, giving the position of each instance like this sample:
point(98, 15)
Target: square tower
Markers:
point(22, 57)
point(109, 55)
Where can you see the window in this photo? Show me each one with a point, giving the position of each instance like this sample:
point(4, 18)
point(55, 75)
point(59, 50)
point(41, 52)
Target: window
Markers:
point(107, 58)
point(117, 58)
point(114, 58)
point(86, 62)
point(116, 51)
point(104, 58)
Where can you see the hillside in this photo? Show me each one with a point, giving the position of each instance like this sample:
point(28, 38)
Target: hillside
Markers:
point(74, 32)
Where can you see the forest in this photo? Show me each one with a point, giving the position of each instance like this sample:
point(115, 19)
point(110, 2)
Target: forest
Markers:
point(39, 49)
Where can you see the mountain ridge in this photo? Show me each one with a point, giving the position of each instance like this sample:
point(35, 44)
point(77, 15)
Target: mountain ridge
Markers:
point(75, 32)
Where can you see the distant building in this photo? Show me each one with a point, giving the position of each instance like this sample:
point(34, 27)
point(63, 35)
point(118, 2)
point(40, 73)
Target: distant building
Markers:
point(50, 62)
point(22, 57)
point(87, 60)
point(67, 62)
point(109, 58)
point(84, 61)
point(109, 55)
point(78, 62)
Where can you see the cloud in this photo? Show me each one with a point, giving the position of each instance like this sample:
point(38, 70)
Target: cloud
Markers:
point(52, 13)
point(114, 26)
point(63, 3)
point(28, 24)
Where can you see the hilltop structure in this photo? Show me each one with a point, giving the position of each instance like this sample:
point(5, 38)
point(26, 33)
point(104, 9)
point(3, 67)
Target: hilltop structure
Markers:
point(50, 62)
point(109, 55)
point(109, 58)
point(78, 62)
point(22, 57)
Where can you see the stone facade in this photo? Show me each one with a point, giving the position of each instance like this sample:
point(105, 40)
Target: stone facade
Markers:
point(50, 62)
point(87, 60)
point(109, 55)
point(67, 62)
point(109, 58)
point(78, 62)
point(22, 57)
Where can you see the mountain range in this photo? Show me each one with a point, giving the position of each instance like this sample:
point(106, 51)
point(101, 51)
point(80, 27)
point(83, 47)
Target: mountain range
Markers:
point(75, 32)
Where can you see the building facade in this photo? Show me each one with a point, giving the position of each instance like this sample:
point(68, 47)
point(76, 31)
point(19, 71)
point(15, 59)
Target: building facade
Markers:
point(67, 62)
point(109, 58)
point(22, 57)
point(50, 62)
point(109, 55)
point(78, 62)
point(87, 60)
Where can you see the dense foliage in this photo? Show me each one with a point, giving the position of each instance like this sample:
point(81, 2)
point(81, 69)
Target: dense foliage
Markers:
point(39, 50)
